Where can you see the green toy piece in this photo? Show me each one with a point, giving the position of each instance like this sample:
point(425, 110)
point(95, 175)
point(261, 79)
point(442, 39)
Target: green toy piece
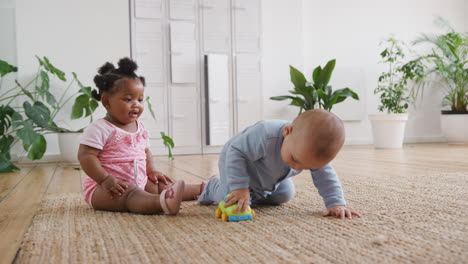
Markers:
point(227, 213)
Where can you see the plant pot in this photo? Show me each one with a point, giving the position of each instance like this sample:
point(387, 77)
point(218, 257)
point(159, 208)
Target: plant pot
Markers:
point(69, 143)
point(455, 126)
point(388, 130)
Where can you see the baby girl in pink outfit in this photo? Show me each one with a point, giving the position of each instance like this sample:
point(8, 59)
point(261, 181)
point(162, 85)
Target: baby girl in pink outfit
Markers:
point(114, 151)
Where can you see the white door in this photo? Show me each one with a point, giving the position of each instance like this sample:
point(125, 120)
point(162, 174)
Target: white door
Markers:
point(218, 114)
point(216, 25)
point(249, 92)
point(185, 119)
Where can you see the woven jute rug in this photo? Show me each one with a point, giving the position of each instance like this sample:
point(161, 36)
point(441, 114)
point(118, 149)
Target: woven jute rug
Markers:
point(422, 219)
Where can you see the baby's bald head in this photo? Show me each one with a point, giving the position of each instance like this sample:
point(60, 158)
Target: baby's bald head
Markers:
point(316, 137)
point(322, 131)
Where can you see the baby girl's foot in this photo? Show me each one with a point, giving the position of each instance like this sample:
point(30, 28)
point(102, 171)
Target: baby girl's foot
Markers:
point(171, 198)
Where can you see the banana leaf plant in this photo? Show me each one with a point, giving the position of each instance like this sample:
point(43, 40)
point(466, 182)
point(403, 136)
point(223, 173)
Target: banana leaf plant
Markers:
point(28, 111)
point(318, 93)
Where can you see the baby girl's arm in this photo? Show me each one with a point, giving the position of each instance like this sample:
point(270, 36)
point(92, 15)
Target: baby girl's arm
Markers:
point(92, 167)
point(154, 175)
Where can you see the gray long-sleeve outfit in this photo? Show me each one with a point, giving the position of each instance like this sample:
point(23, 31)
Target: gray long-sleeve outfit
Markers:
point(252, 159)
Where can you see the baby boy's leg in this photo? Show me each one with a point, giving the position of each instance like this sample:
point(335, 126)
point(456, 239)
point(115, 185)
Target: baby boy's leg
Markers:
point(214, 192)
point(284, 193)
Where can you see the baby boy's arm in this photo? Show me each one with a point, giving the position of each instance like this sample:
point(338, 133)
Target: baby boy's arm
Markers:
point(244, 148)
point(236, 171)
point(328, 185)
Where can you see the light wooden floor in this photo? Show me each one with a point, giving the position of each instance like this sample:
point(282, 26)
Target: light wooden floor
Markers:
point(21, 192)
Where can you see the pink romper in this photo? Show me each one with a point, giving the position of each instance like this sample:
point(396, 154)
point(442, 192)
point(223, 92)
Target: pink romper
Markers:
point(122, 154)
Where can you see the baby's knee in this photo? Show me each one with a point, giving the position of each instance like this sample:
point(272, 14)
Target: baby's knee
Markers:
point(162, 186)
point(285, 196)
point(152, 187)
point(129, 191)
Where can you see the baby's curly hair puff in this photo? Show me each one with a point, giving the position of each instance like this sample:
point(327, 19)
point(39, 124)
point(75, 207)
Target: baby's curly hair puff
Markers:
point(108, 75)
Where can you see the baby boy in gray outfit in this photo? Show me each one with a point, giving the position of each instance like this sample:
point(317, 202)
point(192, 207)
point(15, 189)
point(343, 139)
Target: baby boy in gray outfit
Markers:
point(256, 165)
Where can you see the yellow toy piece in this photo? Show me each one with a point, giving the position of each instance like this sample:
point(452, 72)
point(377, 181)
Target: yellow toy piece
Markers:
point(227, 213)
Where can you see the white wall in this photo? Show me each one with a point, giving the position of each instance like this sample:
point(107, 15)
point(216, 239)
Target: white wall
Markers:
point(8, 46)
point(77, 36)
point(351, 31)
point(282, 44)
point(308, 33)
point(7, 29)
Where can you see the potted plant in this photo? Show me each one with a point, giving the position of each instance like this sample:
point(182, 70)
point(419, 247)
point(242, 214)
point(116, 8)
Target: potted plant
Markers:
point(315, 94)
point(29, 121)
point(448, 60)
point(388, 128)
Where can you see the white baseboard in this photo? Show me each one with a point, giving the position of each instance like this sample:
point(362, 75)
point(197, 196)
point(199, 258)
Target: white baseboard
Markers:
point(212, 149)
point(358, 141)
point(47, 158)
point(419, 139)
point(425, 139)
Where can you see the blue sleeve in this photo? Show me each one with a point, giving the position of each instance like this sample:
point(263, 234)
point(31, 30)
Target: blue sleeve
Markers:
point(245, 148)
point(328, 185)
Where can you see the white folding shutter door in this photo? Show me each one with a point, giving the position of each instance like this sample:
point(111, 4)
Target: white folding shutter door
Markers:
point(216, 25)
point(158, 104)
point(246, 25)
point(183, 52)
point(149, 54)
point(148, 8)
point(218, 99)
point(185, 116)
point(249, 95)
point(149, 50)
point(181, 9)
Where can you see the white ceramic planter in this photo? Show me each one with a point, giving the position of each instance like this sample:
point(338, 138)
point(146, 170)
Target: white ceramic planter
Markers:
point(388, 130)
point(455, 128)
point(69, 144)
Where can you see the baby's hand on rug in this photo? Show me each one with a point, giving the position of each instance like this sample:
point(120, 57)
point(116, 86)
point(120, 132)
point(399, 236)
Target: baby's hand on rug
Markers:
point(340, 211)
point(242, 197)
point(113, 186)
point(156, 176)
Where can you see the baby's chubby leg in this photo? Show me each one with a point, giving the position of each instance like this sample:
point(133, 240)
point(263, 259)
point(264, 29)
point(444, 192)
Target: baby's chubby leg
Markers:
point(214, 191)
point(284, 193)
point(191, 191)
point(132, 200)
point(135, 200)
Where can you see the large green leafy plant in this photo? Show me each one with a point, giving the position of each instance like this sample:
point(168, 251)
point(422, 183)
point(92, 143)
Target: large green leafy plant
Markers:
point(393, 84)
point(448, 59)
point(28, 111)
point(318, 93)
